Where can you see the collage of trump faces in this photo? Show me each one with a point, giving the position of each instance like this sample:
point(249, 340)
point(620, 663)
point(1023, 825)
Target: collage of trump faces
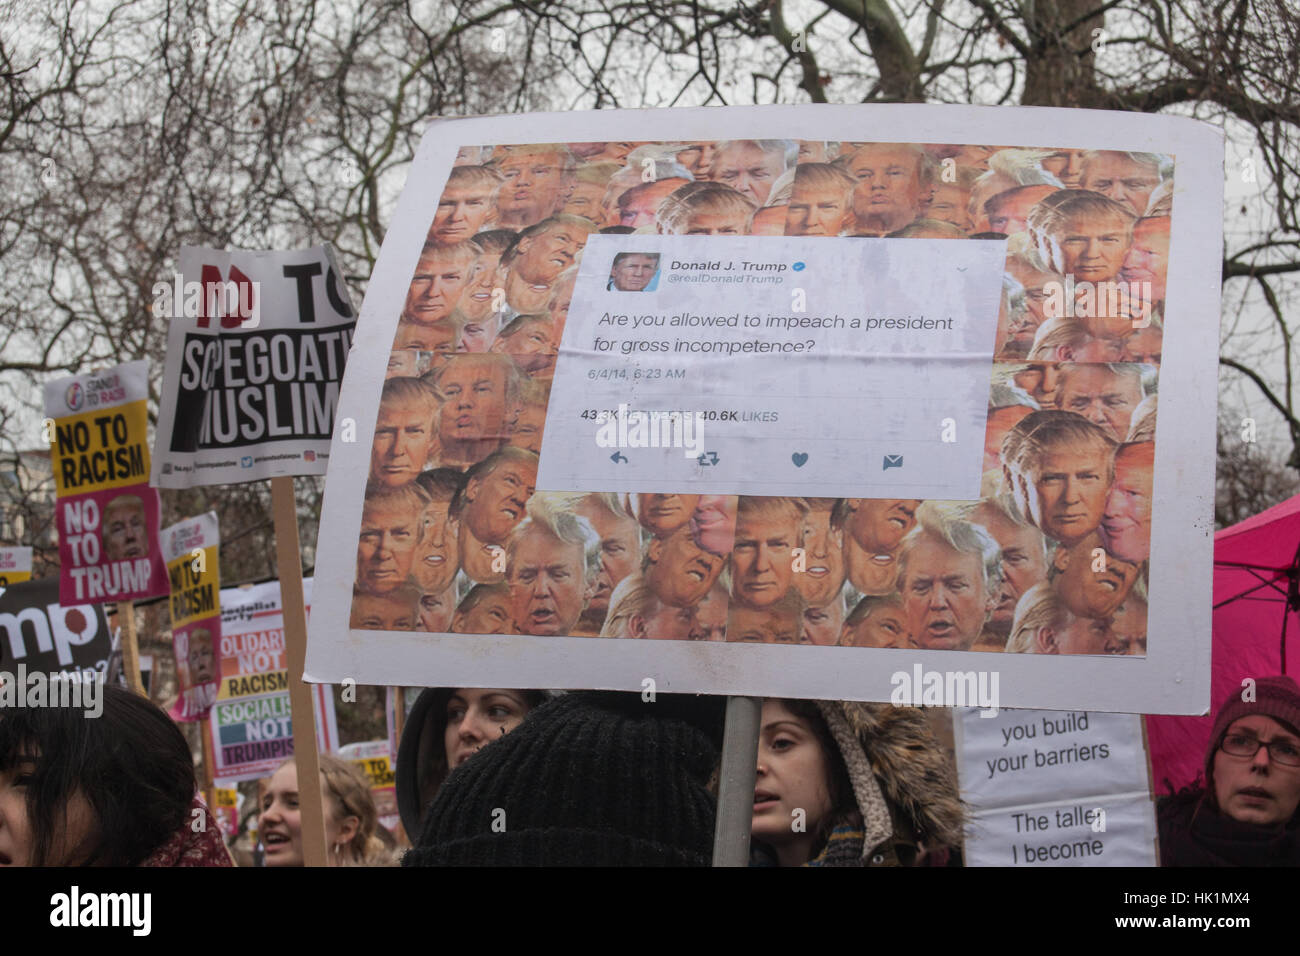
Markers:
point(1052, 559)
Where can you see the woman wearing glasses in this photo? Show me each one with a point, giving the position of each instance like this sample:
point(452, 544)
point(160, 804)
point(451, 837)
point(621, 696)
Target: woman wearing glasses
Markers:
point(1246, 814)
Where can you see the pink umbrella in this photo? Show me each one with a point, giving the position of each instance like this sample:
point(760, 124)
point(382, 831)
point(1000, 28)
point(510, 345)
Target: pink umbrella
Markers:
point(1256, 615)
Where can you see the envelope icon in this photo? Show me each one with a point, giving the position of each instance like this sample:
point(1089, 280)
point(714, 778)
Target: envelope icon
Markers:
point(892, 461)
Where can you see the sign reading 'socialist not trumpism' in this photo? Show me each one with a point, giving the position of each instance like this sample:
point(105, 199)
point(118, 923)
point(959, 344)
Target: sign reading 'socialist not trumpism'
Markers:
point(252, 720)
point(256, 346)
point(15, 565)
point(106, 513)
point(190, 548)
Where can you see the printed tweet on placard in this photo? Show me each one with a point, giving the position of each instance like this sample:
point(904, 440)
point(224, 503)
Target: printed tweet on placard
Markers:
point(775, 366)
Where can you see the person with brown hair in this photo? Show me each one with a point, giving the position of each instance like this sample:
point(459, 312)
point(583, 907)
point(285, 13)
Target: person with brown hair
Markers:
point(446, 727)
point(351, 820)
point(851, 784)
point(113, 787)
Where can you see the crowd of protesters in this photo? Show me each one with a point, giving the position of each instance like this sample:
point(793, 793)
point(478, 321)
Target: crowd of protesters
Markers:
point(500, 777)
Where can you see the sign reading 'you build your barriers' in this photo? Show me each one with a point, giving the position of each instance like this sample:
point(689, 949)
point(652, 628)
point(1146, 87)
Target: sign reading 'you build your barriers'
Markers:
point(106, 513)
point(256, 346)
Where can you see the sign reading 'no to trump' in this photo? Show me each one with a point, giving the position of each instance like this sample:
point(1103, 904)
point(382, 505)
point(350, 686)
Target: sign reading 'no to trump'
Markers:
point(107, 515)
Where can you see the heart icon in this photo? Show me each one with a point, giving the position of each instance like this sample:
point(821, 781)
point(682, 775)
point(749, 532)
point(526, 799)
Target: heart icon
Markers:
point(799, 458)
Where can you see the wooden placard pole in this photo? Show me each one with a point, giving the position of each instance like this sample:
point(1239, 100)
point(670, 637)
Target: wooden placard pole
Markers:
point(209, 761)
point(1151, 782)
point(399, 717)
point(736, 781)
point(284, 512)
point(130, 647)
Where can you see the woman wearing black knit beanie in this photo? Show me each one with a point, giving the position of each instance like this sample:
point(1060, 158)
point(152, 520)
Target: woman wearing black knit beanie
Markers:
point(589, 779)
point(445, 728)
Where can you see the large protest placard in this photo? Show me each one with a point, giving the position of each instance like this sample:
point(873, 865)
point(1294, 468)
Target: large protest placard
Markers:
point(15, 565)
point(252, 720)
point(661, 387)
point(105, 512)
point(1052, 788)
point(256, 346)
point(190, 549)
point(41, 635)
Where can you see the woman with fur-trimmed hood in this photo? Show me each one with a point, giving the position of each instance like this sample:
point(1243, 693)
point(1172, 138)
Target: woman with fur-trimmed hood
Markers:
point(851, 784)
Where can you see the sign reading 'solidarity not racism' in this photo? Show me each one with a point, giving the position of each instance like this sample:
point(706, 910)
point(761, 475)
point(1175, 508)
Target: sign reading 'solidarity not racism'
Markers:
point(252, 719)
point(255, 355)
